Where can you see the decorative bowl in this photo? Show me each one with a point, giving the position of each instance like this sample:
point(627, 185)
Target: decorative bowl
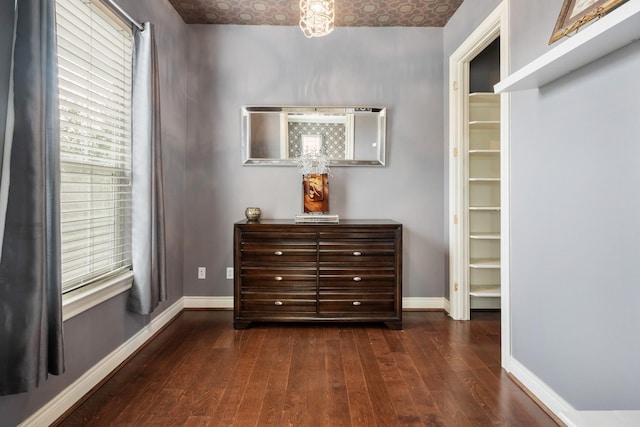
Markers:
point(252, 214)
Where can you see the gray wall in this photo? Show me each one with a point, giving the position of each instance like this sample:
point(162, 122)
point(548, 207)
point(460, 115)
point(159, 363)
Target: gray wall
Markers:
point(92, 335)
point(575, 163)
point(575, 169)
point(234, 65)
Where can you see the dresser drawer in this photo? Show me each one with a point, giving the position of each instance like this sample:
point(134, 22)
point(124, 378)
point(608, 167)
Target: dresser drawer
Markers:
point(278, 251)
point(370, 235)
point(383, 303)
point(279, 236)
point(278, 305)
point(357, 252)
point(372, 278)
point(278, 277)
point(356, 256)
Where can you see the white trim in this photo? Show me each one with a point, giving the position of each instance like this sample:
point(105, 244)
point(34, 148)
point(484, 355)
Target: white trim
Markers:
point(538, 388)
point(505, 191)
point(603, 418)
point(76, 302)
point(563, 410)
point(418, 303)
point(68, 397)
point(208, 302)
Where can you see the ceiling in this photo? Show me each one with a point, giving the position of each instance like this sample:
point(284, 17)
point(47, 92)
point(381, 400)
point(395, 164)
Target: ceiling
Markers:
point(349, 13)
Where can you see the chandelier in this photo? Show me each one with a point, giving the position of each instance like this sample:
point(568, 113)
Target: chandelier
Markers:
point(316, 17)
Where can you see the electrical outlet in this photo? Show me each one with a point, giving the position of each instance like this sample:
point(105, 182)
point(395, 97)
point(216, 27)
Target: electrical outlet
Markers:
point(202, 273)
point(229, 272)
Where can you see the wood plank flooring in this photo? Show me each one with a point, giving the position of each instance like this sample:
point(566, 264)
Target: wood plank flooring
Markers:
point(199, 371)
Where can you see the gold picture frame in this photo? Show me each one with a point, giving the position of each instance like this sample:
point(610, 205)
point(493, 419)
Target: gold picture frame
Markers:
point(576, 13)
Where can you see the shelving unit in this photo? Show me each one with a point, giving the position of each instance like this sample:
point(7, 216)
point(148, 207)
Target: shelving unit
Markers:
point(615, 30)
point(483, 201)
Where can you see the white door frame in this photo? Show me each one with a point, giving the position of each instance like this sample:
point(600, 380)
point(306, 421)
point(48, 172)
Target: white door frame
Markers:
point(496, 24)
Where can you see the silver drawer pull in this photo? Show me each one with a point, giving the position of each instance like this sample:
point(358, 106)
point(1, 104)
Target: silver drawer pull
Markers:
point(356, 303)
point(278, 253)
point(278, 278)
point(357, 279)
point(357, 253)
point(278, 303)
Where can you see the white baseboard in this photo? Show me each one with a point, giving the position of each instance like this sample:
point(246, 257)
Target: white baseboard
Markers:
point(68, 397)
point(540, 389)
point(408, 303)
point(418, 303)
point(208, 302)
point(604, 418)
point(564, 411)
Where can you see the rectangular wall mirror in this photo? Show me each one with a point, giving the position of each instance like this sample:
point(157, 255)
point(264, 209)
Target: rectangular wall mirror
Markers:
point(349, 136)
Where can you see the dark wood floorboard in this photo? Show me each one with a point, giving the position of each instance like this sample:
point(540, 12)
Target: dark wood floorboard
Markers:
point(199, 371)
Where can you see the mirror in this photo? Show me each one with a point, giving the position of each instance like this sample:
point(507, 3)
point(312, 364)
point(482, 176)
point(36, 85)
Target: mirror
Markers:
point(349, 136)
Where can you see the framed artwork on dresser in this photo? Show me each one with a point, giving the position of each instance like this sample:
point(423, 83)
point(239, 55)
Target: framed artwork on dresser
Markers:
point(576, 13)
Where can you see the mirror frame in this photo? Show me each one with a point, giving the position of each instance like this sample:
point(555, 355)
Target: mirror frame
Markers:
point(329, 110)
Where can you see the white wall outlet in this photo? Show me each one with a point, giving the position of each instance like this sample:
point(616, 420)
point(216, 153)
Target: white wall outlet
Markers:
point(202, 273)
point(229, 272)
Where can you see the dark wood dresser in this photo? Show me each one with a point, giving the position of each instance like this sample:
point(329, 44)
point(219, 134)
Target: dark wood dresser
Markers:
point(346, 272)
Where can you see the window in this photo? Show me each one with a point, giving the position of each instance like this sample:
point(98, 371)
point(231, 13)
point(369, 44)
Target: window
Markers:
point(94, 59)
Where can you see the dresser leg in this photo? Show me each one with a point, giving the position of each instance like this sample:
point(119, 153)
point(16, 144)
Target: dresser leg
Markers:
point(241, 324)
point(396, 325)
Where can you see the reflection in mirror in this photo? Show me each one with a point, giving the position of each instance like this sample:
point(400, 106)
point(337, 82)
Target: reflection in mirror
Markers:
point(349, 136)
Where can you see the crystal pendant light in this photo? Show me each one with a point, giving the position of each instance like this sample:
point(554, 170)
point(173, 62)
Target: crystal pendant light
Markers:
point(316, 17)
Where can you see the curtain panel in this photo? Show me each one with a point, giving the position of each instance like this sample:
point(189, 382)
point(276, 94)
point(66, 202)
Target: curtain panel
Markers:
point(148, 238)
point(31, 341)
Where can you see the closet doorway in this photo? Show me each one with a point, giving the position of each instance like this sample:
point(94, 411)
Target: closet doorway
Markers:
point(479, 174)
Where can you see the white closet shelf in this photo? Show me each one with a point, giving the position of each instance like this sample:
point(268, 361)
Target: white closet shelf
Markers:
point(484, 179)
point(485, 236)
point(484, 263)
point(484, 98)
point(484, 124)
point(484, 151)
point(485, 291)
point(484, 208)
point(611, 32)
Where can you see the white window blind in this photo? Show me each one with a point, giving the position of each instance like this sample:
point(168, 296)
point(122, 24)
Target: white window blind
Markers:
point(94, 59)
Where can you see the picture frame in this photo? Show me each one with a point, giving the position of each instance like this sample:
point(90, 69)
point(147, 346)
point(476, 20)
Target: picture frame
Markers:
point(576, 13)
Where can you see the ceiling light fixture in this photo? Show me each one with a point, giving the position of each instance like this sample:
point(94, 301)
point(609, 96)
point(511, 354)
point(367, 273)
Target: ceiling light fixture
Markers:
point(316, 17)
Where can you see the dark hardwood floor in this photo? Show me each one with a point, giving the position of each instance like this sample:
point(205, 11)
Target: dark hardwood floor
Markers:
point(199, 371)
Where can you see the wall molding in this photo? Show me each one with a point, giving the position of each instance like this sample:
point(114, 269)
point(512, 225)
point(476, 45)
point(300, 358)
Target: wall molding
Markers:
point(541, 390)
point(418, 303)
point(563, 410)
point(208, 302)
point(68, 397)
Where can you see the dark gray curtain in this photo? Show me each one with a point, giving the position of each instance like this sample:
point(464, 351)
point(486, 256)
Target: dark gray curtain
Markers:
point(31, 344)
point(148, 239)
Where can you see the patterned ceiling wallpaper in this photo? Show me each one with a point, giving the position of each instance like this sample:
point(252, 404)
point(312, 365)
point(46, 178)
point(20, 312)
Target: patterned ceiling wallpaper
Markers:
point(349, 13)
